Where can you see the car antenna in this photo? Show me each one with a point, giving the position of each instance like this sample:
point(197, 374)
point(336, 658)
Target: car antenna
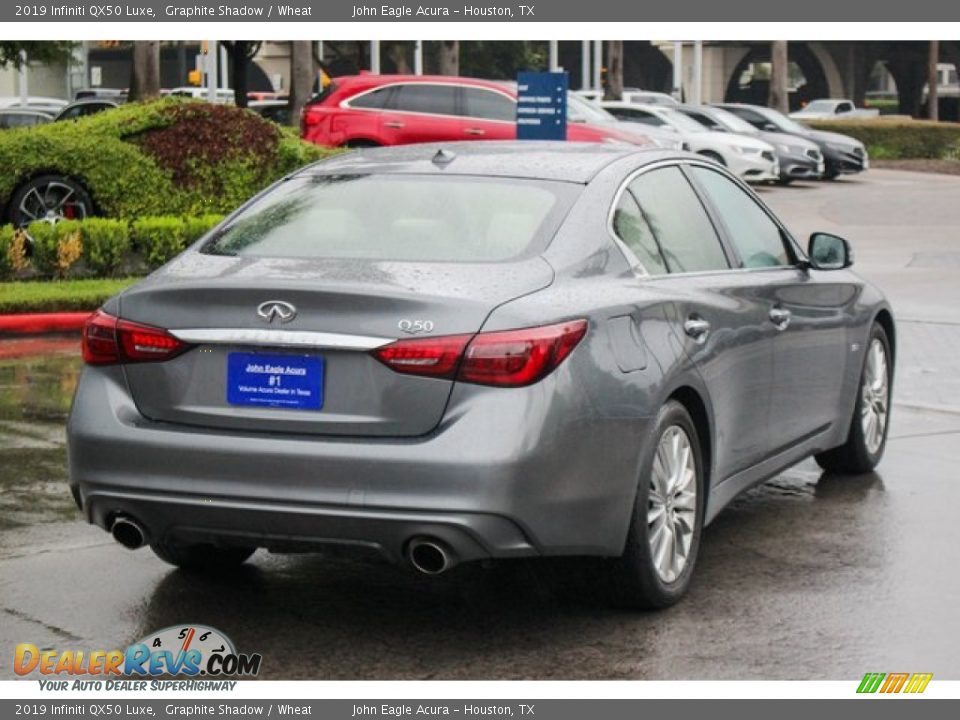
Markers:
point(443, 157)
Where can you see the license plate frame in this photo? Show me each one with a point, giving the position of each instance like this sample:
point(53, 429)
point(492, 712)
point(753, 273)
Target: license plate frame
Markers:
point(275, 381)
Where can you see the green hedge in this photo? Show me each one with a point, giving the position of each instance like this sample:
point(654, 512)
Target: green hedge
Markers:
point(110, 247)
point(167, 157)
point(896, 139)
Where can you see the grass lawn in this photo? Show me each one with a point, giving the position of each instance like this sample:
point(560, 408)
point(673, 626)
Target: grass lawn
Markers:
point(58, 295)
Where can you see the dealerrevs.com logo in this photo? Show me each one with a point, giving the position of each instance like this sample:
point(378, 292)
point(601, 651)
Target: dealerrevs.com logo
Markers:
point(890, 683)
point(184, 650)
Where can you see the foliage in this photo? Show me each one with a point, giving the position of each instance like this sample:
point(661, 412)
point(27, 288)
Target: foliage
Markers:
point(158, 239)
point(106, 242)
point(896, 139)
point(100, 247)
point(59, 295)
point(501, 60)
point(44, 52)
point(167, 157)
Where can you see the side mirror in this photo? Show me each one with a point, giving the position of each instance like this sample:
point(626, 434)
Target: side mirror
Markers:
point(770, 127)
point(829, 252)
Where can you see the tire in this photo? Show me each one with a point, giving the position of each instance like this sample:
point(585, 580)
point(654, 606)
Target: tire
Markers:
point(716, 157)
point(51, 198)
point(638, 581)
point(866, 442)
point(202, 557)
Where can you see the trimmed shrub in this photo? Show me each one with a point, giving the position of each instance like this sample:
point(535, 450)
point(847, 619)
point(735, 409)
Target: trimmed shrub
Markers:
point(6, 241)
point(106, 243)
point(43, 247)
point(167, 157)
point(158, 239)
point(897, 139)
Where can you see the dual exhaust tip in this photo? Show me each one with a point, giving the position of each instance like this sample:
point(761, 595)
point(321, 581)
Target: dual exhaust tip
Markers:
point(426, 555)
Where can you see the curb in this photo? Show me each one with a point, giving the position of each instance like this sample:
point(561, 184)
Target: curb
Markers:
point(41, 323)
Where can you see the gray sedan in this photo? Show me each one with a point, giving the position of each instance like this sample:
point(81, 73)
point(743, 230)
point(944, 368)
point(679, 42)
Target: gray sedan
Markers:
point(478, 351)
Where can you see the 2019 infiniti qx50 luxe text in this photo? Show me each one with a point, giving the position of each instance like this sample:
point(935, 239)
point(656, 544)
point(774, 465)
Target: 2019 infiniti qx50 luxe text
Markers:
point(481, 350)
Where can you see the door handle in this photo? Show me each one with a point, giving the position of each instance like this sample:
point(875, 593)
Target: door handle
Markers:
point(474, 131)
point(697, 328)
point(780, 317)
point(394, 124)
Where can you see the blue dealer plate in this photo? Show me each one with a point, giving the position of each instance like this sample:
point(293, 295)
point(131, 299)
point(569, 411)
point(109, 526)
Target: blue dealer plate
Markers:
point(294, 382)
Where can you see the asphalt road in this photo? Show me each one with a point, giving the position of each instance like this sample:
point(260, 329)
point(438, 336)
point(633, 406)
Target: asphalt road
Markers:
point(810, 576)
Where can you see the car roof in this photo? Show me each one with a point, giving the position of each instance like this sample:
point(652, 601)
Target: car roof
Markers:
point(542, 160)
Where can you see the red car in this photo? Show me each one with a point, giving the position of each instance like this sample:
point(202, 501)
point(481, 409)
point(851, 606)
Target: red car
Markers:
point(368, 110)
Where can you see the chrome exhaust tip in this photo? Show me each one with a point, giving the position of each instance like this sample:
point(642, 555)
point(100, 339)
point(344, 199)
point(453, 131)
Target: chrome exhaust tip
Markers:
point(431, 557)
point(128, 532)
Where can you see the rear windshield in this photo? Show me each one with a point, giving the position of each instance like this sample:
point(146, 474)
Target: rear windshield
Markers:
point(398, 217)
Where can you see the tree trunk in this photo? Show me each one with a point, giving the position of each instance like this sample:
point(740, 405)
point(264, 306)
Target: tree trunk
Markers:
point(239, 51)
point(145, 74)
point(614, 89)
point(449, 60)
point(397, 52)
point(301, 77)
point(778, 98)
point(933, 77)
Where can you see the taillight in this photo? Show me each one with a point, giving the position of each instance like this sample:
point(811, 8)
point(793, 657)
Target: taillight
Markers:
point(108, 340)
point(510, 358)
point(434, 357)
point(310, 116)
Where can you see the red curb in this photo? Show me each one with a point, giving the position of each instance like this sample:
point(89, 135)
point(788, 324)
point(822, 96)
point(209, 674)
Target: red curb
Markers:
point(40, 323)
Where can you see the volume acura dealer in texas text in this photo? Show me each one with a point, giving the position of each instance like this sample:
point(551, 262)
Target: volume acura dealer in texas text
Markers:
point(201, 11)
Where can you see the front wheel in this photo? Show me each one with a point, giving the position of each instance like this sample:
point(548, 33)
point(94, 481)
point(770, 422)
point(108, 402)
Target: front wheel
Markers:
point(664, 537)
point(867, 438)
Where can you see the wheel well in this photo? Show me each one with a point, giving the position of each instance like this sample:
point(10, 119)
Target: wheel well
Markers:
point(360, 143)
point(886, 322)
point(693, 404)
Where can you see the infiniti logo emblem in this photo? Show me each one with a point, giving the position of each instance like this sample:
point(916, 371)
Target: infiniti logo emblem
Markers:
point(282, 311)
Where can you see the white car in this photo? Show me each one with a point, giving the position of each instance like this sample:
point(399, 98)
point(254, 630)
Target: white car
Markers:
point(223, 95)
point(749, 158)
point(582, 110)
point(830, 108)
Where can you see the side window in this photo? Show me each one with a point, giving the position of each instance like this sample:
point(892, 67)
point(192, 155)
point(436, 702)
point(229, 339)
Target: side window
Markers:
point(681, 226)
point(488, 105)
point(844, 107)
point(704, 120)
point(646, 118)
point(757, 238)
point(635, 233)
point(755, 119)
point(424, 98)
point(374, 100)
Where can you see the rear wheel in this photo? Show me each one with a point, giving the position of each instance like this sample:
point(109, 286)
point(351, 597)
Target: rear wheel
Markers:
point(664, 538)
point(868, 428)
point(202, 556)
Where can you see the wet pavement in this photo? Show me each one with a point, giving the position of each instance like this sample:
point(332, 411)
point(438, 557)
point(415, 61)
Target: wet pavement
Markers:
point(810, 576)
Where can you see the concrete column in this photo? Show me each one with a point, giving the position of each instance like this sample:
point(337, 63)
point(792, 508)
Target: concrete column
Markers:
point(933, 80)
point(598, 64)
point(418, 57)
point(554, 56)
point(22, 78)
point(375, 57)
point(678, 70)
point(584, 64)
point(696, 91)
point(211, 60)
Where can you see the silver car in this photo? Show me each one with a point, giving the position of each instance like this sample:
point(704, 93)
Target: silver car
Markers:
point(482, 350)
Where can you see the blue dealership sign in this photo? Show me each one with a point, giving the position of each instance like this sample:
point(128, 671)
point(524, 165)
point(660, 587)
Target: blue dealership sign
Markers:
point(542, 105)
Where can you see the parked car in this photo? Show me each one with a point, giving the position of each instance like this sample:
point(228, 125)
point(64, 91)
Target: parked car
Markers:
point(276, 110)
point(222, 95)
point(22, 117)
point(83, 108)
point(832, 109)
point(648, 97)
point(370, 110)
point(117, 95)
point(842, 155)
point(747, 157)
point(797, 157)
point(582, 110)
point(524, 350)
point(48, 105)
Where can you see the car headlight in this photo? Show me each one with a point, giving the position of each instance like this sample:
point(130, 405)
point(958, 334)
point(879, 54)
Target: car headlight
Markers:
point(744, 150)
point(791, 149)
point(841, 148)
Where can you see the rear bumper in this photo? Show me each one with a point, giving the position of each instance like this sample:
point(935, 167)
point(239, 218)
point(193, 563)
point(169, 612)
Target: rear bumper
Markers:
point(507, 474)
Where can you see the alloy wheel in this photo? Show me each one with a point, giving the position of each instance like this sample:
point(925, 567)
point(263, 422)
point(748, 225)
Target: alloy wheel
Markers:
point(875, 397)
point(672, 504)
